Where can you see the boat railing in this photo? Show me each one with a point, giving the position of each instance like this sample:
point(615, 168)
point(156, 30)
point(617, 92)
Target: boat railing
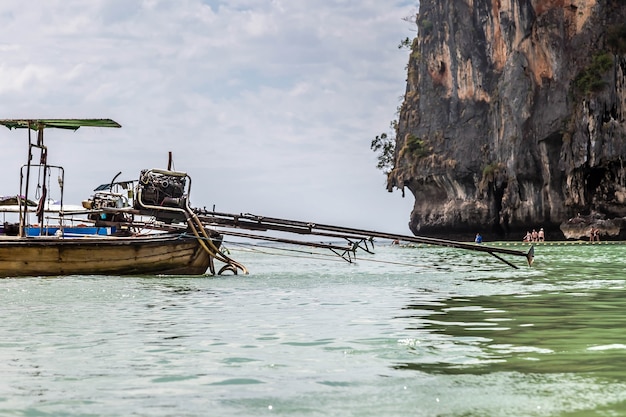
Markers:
point(43, 191)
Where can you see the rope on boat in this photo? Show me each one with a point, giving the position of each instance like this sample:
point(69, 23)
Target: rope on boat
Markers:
point(255, 248)
point(305, 255)
point(207, 244)
point(193, 224)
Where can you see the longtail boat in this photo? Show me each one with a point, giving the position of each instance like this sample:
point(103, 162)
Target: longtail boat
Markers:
point(178, 244)
point(151, 227)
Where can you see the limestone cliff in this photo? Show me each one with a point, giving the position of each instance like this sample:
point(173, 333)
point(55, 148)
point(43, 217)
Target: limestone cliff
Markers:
point(514, 116)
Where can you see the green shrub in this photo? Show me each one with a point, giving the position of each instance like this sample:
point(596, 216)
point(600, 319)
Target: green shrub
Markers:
point(425, 27)
point(416, 146)
point(591, 78)
point(490, 170)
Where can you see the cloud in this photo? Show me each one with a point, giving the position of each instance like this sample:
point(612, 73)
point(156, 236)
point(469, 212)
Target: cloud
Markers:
point(270, 105)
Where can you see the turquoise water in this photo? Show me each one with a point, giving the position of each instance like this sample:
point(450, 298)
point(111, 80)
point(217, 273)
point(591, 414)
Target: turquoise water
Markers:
point(404, 332)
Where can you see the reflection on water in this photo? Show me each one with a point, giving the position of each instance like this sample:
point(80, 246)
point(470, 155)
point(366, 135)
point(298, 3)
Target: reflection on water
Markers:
point(550, 332)
point(559, 328)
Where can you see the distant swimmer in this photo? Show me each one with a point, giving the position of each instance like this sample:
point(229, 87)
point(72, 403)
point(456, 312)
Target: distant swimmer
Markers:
point(541, 236)
point(534, 235)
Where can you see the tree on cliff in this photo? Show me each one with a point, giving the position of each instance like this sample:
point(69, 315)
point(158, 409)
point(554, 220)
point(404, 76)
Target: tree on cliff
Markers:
point(385, 145)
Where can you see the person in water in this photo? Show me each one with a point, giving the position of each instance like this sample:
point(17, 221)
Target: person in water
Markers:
point(479, 238)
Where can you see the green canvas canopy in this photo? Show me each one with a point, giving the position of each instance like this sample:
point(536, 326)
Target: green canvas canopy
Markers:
point(72, 124)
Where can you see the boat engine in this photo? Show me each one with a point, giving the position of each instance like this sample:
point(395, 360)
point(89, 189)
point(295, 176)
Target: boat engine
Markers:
point(106, 199)
point(161, 189)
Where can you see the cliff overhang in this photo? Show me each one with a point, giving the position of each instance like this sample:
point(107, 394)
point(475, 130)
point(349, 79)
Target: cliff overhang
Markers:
point(514, 117)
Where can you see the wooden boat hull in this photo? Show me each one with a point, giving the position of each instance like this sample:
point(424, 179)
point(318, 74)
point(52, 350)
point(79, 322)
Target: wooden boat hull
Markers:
point(156, 254)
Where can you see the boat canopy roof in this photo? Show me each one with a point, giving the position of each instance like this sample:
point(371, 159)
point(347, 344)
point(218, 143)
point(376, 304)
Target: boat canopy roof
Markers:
point(72, 124)
point(14, 200)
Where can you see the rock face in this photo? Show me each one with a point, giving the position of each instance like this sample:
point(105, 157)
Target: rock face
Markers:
point(514, 116)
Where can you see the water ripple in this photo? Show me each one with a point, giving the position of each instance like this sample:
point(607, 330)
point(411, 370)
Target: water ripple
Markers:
point(433, 332)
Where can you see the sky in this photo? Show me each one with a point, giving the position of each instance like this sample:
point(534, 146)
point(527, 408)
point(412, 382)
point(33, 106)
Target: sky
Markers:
point(270, 106)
